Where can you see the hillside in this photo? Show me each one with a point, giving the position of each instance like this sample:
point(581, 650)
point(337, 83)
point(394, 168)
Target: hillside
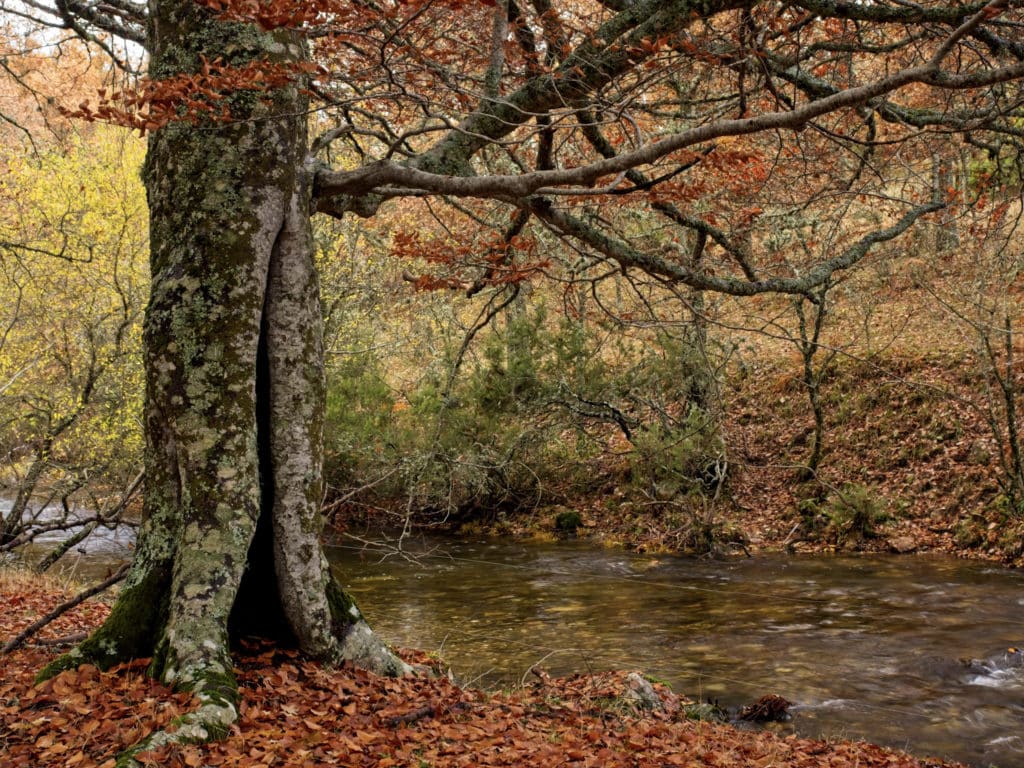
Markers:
point(913, 449)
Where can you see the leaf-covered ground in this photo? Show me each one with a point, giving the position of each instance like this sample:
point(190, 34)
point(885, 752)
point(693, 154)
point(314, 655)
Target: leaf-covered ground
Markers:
point(908, 430)
point(297, 713)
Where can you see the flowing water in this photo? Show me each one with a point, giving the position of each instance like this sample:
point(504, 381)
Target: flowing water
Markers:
point(867, 647)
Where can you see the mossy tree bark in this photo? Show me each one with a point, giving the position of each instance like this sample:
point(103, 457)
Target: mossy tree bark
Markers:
point(235, 391)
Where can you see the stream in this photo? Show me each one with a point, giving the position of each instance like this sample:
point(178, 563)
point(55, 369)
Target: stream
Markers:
point(868, 647)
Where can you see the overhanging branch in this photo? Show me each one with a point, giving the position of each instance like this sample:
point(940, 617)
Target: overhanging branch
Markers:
point(511, 188)
point(675, 272)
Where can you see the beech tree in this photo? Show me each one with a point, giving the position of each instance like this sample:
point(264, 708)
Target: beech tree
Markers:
point(565, 116)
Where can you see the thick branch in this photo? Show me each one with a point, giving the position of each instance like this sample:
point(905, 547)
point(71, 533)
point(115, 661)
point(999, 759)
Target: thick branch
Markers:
point(18, 640)
point(897, 13)
point(403, 179)
point(615, 48)
point(672, 271)
point(119, 18)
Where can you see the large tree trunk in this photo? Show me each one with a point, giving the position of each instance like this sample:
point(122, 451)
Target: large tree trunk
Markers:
point(235, 393)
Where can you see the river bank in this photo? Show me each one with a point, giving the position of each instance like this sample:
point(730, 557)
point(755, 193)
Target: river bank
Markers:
point(296, 713)
point(910, 464)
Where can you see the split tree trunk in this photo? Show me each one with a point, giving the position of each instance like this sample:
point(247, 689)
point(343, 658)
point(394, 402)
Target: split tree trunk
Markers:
point(234, 391)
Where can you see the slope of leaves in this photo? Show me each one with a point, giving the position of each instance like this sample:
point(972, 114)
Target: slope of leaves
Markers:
point(297, 713)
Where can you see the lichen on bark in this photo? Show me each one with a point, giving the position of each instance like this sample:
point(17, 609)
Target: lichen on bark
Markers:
point(234, 393)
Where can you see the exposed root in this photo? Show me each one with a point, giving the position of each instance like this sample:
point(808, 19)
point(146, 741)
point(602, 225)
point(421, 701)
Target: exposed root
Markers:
point(211, 721)
point(364, 648)
point(90, 651)
point(358, 643)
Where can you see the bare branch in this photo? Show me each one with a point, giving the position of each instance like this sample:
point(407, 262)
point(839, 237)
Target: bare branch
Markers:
point(515, 187)
point(673, 271)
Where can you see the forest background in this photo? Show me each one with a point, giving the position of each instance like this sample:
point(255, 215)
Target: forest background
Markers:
point(561, 395)
point(785, 317)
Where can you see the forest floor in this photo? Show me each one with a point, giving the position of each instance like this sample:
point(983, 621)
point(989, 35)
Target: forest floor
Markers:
point(298, 713)
point(910, 465)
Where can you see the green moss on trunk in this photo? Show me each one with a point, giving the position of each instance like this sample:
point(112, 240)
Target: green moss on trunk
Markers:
point(136, 620)
point(344, 612)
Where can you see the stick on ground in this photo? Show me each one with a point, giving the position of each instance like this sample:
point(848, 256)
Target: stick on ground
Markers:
point(25, 634)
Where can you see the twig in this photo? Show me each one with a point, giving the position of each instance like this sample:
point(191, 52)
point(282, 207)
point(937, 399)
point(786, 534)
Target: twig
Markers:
point(63, 608)
point(424, 712)
point(428, 710)
point(790, 534)
point(77, 637)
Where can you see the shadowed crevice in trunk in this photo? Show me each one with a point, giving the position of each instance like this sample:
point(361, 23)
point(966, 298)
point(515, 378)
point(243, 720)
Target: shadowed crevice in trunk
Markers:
point(257, 611)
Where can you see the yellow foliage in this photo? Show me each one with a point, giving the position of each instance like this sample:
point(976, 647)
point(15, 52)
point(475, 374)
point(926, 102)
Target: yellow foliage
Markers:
point(73, 281)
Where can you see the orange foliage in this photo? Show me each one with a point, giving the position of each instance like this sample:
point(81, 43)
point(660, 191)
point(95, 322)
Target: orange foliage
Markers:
point(155, 103)
point(41, 75)
point(497, 259)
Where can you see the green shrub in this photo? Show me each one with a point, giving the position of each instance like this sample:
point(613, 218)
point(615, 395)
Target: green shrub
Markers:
point(679, 459)
point(854, 512)
point(531, 413)
point(567, 521)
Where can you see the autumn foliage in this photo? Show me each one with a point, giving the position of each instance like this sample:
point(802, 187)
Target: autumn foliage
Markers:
point(155, 103)
point(638, 154)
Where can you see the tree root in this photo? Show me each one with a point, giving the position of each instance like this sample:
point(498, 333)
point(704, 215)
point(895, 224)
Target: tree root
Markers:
point(364, 648)
point(210, 722)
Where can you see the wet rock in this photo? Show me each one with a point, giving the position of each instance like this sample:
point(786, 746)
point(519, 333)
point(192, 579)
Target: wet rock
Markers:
point(767, 709)
point(902, 545)
point(567, 521)
point(642, 694)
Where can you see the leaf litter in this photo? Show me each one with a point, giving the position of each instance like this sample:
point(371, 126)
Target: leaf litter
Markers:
point(298, 713)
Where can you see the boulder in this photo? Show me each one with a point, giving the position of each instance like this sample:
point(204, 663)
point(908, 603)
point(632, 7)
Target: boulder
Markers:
point(642, 694)
point(902, 545)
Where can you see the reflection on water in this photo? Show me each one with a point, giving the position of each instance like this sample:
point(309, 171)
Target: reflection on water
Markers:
point(869, 647)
